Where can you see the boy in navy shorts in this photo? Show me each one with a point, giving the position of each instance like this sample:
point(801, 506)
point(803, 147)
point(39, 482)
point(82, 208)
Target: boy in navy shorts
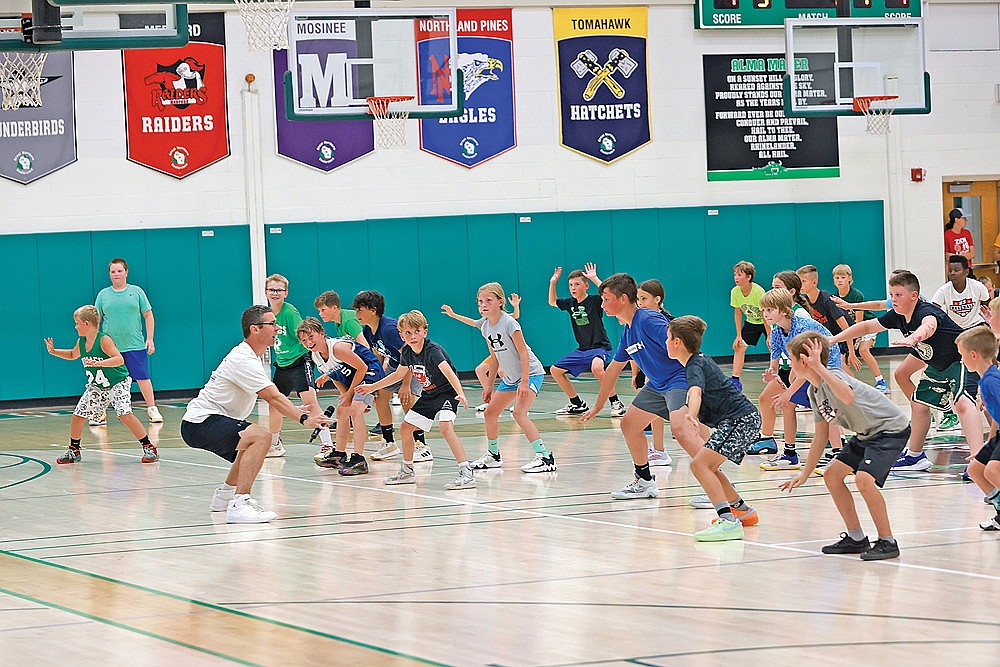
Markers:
point(881, 431)
point(593, 350)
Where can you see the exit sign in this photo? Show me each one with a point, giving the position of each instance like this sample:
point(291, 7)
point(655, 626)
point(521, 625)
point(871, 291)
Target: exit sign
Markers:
point(772, 13)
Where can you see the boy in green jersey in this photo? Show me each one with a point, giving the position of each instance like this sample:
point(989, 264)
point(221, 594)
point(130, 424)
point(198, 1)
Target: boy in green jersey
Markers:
point(750, 324)
point(108, 383)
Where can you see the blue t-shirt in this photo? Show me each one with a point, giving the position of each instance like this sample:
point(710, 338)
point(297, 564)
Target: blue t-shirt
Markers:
point(386, 341)
point(779, 339)
point(989, 389)
point(645, 342)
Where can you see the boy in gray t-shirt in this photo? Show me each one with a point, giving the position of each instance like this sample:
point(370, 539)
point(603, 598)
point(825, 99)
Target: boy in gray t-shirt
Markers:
point(882, 431)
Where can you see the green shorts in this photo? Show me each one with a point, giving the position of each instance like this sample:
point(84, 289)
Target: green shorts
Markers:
point(941, 389)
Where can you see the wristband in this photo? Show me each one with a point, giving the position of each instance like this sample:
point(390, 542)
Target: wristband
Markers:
point(303, 418)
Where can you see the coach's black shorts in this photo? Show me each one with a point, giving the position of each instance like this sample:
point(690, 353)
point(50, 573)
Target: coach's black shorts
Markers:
point(217, 434)
point(297, 376)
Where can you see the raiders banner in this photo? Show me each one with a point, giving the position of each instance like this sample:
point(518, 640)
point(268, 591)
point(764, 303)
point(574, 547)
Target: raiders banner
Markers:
point(486, 58)
point(603, 90)
point(36, 141)
point(320, 144)
point(175, 100)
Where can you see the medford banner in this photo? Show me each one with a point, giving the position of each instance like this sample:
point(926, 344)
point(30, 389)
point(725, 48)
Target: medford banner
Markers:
point(320, 144)
point(175, 100)
point(486, 58)
point(603, 90)
point(36, 141)
point(747, 134)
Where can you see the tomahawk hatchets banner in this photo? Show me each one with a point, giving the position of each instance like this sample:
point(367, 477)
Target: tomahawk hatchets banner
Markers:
point(175, 101)
point(603, 89)
point(36, 141)
point(485, 57)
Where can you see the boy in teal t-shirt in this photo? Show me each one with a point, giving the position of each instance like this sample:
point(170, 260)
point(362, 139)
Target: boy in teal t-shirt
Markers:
point(750, 325)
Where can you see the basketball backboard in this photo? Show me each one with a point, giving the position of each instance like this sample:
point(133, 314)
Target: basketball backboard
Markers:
point(100, 28)
point(337, 58)
point(835, 60)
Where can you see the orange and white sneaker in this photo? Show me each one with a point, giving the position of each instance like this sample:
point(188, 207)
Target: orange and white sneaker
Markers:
point(747, 516)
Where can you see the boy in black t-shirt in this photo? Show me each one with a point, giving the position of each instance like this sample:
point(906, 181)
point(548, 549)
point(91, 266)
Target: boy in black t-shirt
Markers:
point(713, 401)
point(593, 347)
point(825, 311)
point(442, 393)
point(930, 334)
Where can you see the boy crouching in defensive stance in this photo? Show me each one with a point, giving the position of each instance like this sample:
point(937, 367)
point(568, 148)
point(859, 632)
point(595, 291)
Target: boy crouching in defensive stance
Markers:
point(881, 429)
point(712, 400)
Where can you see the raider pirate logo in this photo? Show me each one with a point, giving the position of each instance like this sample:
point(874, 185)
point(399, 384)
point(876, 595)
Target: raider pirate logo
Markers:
point(586, 64)
point(179, 84)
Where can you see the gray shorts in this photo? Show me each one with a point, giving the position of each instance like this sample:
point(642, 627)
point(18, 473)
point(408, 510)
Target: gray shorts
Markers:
point(659, 403)
point(731, 437)
point(876, 455)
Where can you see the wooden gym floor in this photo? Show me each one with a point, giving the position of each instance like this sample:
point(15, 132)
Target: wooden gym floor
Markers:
point(112, 562)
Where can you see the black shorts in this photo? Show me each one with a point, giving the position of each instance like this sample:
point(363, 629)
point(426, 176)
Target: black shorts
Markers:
point(752, 333)
point(297, 376)
point(876, 455)
point(990, 451)
point(443, 406)
point(217, 434)
point(640, 379)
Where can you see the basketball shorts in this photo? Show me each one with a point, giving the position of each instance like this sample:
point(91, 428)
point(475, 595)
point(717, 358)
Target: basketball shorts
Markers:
point(990, 451)
point(876, 455)
point(296, 377)
point(95, 400)
point(535, 382)
point(941, 389)
point(578, 362)
point(218, 434)
point(800, 397)
point(660, 403)
point(137, 363)
point(752, 333)
point(731, 437)
point(443, 407)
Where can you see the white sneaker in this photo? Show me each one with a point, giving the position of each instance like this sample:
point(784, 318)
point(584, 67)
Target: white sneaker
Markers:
point(487, 460)
point(244, 509)
point(482, 407)
point(701, 503)
point(422, 454)
point(618, 409)
point(221, 498)
point(387, 450)
point(154, 415)
point(463, 481)
point(640, 488)
point(395, 400)
point(276, 450)
point(100, 421)
point(540, 464)
point(323, 451)
point(658, 458)
point(401, 476)
point(573, 409)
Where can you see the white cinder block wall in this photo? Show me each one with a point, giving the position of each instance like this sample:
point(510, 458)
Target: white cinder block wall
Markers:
point(960, 139)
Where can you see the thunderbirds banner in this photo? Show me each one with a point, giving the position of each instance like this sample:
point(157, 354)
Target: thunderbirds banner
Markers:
point(603, 88)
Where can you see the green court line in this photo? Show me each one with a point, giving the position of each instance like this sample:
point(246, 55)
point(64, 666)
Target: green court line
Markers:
point(24, 459)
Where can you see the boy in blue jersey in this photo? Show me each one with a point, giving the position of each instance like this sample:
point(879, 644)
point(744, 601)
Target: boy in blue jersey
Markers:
point(644, 340)
point(978, 347)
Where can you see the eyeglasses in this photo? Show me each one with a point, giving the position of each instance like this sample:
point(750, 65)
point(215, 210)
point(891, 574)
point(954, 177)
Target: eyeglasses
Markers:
point(272, 323)
point(273, 290)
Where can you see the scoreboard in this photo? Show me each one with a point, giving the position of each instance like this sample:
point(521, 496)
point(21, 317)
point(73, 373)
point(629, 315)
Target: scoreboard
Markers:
point(772, 13)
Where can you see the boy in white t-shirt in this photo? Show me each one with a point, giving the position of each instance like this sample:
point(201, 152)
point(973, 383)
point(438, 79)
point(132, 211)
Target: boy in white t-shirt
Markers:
point(960, 297)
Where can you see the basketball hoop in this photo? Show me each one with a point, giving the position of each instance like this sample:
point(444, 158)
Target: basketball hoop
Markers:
point(21, 79)
point(266, 22)
point(878, 110)
point(391, 122)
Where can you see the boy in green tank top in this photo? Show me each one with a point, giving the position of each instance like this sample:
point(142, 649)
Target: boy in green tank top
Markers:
point(108, 383)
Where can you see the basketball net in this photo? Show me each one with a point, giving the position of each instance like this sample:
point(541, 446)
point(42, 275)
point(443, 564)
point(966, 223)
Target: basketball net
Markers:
point(266, 22)
point(391, 122)
point(877, 110)
point(21, 80)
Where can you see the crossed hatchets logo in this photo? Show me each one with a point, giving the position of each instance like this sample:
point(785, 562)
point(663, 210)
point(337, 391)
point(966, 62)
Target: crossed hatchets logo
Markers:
point(587, 64)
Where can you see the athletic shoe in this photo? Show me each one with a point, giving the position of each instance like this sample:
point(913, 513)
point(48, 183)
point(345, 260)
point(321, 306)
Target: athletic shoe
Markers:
point(355, 465)
point(783, 462)
point(640, 488)
point(276, 450)
point(617, 409)
point(387, 451)
point(881, 550)
point(883, 386)
point(100, 421)
point(221, 499)
point(995, 502)
point(149, 454)
point(701, 503)
point(848, 545)
point(422, 453)
point(463, 481)
point(991, 524)
point(766, 445)
point(511, 408)
point(540, 464)
point(748, 516)
point(827, 458)
point(395, 400)
point(324, 451)
point(402, 476)
point(965, 477)
point(720, 531)
point(736, 383)
point(246, 510)
point(72, 455)
point(154, 415)
point(658, 458)
point(949, 422)
point(905, 462)
point(375, 432)
point(573, 409)
point(333, 459)
point(482, 407)
point(487, 460)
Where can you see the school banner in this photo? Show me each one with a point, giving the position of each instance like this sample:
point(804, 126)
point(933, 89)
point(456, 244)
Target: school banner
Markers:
point(320, 144)
point(36, 141)
point(603, 88)
point(175, 100)
point(486, 58)
point(747, 135)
